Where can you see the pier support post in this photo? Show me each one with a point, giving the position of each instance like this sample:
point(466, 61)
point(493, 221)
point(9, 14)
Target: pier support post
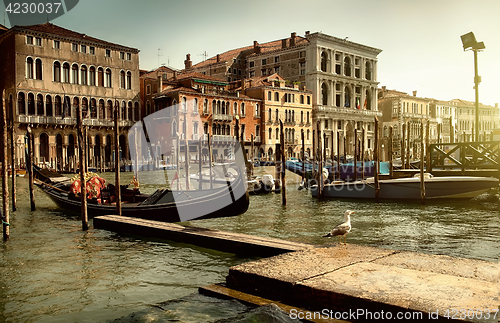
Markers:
point(29, 167)
point(117, 163)
point(283, 164)
point(422, 150)
point(5, 187)
point(391, 149)
point(13, 163)
point(375, 160)
point(82, 152)
point(303, 156)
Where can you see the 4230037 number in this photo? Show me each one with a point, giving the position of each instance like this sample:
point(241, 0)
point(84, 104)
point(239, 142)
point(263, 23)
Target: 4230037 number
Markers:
point(25, 7)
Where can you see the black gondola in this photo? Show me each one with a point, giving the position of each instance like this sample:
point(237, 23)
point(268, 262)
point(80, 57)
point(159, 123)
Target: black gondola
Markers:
point(163, 205)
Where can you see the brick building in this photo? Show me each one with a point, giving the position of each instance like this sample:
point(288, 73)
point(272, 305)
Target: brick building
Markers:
point(341, 74)
point(48, 71)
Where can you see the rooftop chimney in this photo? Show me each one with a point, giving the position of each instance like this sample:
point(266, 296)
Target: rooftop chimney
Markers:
point(384, 88)
point(292, 39)
point(307, 33)
point(256, 47)
point(283, 43)
point(175, 75)
point(187, 63)
point(218, 58)
point(414, 93)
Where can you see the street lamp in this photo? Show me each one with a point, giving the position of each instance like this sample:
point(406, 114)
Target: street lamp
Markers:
point(469, 42)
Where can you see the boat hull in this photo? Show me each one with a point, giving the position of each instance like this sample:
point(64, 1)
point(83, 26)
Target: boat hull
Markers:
point(451, 187)
point(170, 206)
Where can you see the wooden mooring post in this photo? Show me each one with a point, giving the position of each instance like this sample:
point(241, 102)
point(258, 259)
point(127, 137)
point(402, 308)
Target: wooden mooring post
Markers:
point(303, 156)
point(391, 149)
point(375, 160)
point(13, 163)
point(29, 167)
point(82, 150)
point(5, 187)
point(355, 154)
point(320, 162)
point(338, 156)
point(118, 196)
point(422, 150)
point(283, 164)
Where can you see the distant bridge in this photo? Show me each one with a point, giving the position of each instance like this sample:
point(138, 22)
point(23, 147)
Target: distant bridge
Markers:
point(464, 158)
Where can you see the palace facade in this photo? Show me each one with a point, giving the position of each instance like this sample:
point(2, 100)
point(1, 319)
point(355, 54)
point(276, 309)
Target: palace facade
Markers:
point(47, 72)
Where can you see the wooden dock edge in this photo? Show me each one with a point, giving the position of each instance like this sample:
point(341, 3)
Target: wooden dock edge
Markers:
point(221, 291)
point(237, 243)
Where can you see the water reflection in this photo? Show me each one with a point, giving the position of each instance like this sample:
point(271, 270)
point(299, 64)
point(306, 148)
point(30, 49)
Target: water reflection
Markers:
point(53, 272)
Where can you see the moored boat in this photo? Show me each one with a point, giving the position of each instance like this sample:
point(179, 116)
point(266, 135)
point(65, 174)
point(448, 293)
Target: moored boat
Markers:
point(448, 187)
point(163, 205)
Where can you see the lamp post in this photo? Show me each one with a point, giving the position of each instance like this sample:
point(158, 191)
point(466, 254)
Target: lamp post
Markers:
point(469, 42)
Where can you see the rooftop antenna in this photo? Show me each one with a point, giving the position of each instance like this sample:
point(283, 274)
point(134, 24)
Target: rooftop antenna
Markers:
point(159, 56)
point(204, 55)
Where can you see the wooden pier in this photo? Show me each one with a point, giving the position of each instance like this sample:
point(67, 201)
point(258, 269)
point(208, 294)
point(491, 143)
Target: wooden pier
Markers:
point(236, 243)
point(337, 283)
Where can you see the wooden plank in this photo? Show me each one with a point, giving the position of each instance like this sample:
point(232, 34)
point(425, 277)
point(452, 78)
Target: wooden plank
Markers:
point(213, 239)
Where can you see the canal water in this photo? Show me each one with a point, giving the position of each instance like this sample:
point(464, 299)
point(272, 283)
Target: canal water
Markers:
point(52, 271)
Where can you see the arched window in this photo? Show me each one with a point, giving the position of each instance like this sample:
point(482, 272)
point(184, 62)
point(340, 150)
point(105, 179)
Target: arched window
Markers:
point(100, 76)
point(324, 94)
point(324, 61)
point(301, 116)
point(257, 111)
point(21, 103)
point(347, 66)
point(269, 114)
point(184, 104)
point(39, 105)
point(243, 109)
point(31, 104)
point(102, 110)
point(123, 111)
point(57, 72)
point(269, 96)
point(347, 99)
point(270, 133)
point(83, 72)
point(38, 69)
point(276, 96)
point(108, 78)
point(74, 74)
point(130, 113)
point(122, 79)
point(368, 71)
point(85, 108)
point(136, 114)
point(277, 134)
point(195, 106)
point(66, 107)
point(93, 109)
point(57, 106)
point(109, 110)
point(301, 99)
point(235, 108)
point(29, 68)
point(129, 80)
point(307, 116)
point(92, 76)
point(66, 73)
point(48, 106)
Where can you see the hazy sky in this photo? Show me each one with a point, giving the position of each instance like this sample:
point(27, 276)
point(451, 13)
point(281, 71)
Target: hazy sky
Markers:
point(420, 40)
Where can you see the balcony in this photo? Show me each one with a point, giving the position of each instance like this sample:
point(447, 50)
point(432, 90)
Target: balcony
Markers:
point(222, 138)
point(348, 111)
point(71, 121)
point(222, 117)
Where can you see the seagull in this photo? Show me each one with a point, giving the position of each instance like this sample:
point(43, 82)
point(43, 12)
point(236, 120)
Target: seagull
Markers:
point(342, 229)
